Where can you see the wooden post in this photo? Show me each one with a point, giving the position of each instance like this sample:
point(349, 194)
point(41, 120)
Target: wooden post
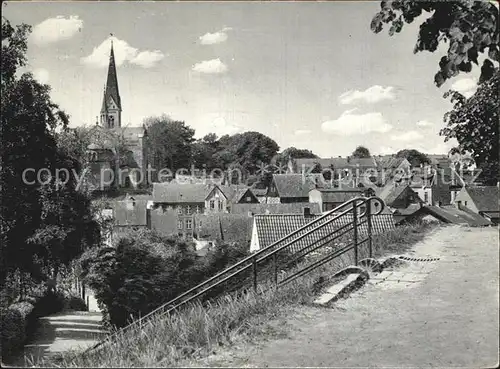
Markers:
point(369, 221)
point(254, 268)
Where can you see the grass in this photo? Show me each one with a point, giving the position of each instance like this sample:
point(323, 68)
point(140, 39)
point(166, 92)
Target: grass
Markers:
point(197, 331)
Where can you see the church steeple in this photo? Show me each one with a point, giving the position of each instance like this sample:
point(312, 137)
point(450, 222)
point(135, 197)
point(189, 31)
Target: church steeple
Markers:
point(111, 104)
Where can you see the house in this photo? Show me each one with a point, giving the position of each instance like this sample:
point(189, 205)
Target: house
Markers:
point(439, 161)
point(399, 196)
point(270, 228)
point(178, 203)
point(212, 229)
point(130, 214)
point(290, 188)
point(482, 200)
point(390, 167)
point(432, 187)
point(287, 208)
point(330, 198)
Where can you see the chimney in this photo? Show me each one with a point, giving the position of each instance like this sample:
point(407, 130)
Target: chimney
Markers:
point(307, 212)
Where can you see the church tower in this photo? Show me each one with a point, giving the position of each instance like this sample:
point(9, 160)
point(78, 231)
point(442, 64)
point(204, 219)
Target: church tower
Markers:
point(111, 110)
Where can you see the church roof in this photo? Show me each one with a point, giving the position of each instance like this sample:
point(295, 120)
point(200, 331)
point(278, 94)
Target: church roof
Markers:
point(111, 84)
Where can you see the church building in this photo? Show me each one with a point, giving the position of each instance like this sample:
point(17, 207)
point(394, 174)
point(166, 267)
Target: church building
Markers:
point(117, 153)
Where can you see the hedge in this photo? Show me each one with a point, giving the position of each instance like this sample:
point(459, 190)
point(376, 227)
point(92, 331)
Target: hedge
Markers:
point(18, 321)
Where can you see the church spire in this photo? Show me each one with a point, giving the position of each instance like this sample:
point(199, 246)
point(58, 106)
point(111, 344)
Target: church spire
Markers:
point(111, 103)
point(112, 81)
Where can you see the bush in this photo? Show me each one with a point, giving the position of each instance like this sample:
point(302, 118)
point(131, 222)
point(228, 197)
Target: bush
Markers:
point(75, 303)
point(18, 321)
point(50, 303)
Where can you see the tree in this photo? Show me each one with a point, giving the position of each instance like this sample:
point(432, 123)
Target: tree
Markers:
point(43, 221)
point(469, 27)
point(415, 157)
point(251, 150)
point(473, 122)
point(203, 152)
point(283, 157)
point(361, 152)
point(169, 143)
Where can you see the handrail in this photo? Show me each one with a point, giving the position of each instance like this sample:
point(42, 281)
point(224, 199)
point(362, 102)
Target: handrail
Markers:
point(247, 262)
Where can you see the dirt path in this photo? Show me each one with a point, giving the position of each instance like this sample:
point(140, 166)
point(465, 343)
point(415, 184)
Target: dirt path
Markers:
point(429, 314)
point(60, 333)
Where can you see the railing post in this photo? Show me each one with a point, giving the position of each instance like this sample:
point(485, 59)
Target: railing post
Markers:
point(275, 270)
point(355, 228)
point(369, 221)
point(254, 269)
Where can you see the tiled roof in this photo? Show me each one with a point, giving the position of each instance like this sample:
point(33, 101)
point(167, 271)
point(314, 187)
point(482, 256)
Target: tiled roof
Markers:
point(293, 185)
point(173, 192)
point(389, 162)
point(390, 193)
point(289, 208)
point(339, 194)
point(336, 163)
point(273, 227)
point(130, 213)
point(411, 209)
point(259, 192)
point(224, 227)
point(485, 197)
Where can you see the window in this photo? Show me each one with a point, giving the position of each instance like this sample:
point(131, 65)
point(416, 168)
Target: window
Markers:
point(189, 224)
point(111, 120)
point(212, 204)
point(426, 197)
point(179, 224)
point(197, 209)
point(189, 210)
point(465, 202)
point(179, 209)
point(249, 198)
point(221, 205)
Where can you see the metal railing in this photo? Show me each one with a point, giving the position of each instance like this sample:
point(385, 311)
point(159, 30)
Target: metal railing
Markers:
point(353, 218)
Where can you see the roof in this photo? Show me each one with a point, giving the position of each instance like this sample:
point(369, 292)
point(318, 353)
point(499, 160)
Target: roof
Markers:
point(485, 197)
point(389, 162)
point(450, 214)
point(224, 227)
point(391, 193)
point(289, 208)
point(440, 160)
point(292, 185)
point(130, 213)
point(339, 195)
point(259, 192)
point(173, 192)
point(111, 83)
point(336, 163)
point(273, 227)
point(409, 210)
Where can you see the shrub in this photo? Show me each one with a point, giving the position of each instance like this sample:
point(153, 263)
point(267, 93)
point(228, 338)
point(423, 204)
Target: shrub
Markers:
point(17, 324)
point(74, 303)
point(49, 303)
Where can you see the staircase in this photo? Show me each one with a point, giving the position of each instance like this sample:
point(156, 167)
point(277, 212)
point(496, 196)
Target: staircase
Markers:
point(345, 228)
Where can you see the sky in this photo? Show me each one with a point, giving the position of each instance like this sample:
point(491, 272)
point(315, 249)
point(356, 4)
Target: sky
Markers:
point(307, 74)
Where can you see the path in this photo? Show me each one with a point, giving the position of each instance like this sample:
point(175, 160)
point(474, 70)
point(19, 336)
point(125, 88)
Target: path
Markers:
point(429, 314)
point(63, 332)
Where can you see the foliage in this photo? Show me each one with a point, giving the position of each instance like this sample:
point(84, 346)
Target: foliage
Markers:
point(469, 27)
point(43, 222)
point(144, 270)
point(282, 158)
point(17, 323)
point(169, 143)
point(473, 122)
point(361, 152)
point(415, 157)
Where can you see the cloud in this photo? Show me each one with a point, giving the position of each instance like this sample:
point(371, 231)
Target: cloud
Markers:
point(147, 59)
point(424, 123)
point(407, 136)
point(215, 38)
point(221, 127)
point(301, 132)
point(357, 124)
point(370, 95)
point(56, 29)
point(466, 86)
point(99, 58)
point(41, 75)
point(214, 66)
